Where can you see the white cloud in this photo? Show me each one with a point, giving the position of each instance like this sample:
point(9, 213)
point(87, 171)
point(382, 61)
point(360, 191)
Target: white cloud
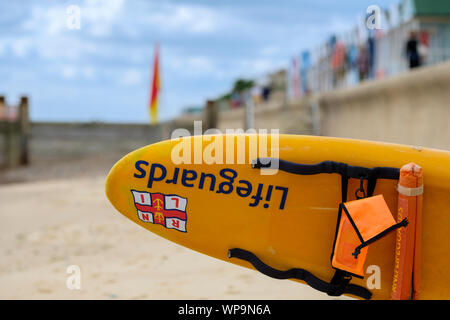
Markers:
point(200, 64)
point(339, 25)
point(53, 47)
point(68, 72)
point(51, 21)
point(184, 18)
point(269, 50)
point(88, 72)
point(99, 16)
point(195, 65)
point(21, 46)
point(131, 77)
point(260, 66)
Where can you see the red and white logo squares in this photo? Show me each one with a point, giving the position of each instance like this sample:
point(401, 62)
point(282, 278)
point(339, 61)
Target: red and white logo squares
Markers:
point(174, 223)
point(175, 203)
point(157, 208)
point(144, 198)
point(145, 216)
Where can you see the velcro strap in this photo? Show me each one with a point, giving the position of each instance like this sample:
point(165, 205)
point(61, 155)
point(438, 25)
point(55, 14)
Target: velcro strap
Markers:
point(332, 289)
point(410, 192)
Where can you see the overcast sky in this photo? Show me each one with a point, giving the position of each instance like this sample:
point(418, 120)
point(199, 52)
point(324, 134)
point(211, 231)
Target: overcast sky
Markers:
point(101, 72)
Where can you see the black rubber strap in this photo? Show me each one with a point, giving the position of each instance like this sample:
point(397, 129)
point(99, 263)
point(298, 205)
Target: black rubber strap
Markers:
point(346, 171)
point(341, 280)
point(402, 223)
point(330, 167)
point(339, 284)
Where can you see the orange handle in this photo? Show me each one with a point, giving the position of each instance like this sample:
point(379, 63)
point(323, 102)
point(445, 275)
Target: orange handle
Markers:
point(407, 277)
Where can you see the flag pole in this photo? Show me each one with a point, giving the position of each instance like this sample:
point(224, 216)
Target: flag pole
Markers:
point(155, 87)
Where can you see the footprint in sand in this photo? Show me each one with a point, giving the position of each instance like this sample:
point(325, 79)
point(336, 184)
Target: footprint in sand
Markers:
point(232, 290)
point(21, 237)
point(245, 278)
point(44, 290)
point(110, 281)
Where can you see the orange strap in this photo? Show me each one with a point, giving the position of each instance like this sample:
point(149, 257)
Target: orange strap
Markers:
point(407, 279)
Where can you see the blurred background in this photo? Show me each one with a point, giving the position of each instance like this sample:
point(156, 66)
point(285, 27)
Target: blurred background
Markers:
point(78, 81)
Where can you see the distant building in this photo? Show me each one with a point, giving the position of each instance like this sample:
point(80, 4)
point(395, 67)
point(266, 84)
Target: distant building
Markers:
point(429, 19)
point(364, 53)
point(278, 80)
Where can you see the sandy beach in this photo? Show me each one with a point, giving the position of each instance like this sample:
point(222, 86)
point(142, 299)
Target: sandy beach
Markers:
point(55, 216)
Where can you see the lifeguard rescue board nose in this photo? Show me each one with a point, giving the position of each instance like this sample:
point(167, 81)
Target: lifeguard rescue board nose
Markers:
point(203, 193)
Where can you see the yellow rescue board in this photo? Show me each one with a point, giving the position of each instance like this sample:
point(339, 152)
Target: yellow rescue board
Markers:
point(212, 208)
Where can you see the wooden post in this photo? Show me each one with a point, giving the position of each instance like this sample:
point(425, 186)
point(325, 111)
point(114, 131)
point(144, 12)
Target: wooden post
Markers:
point(315, 116)
point(2, 108)
point(3, 132)
point(8, 135)
point(24, 125)
point(211, 114)
point(249, 112)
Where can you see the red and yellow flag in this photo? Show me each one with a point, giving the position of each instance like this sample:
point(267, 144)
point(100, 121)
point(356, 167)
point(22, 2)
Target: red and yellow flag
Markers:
point(153, 108)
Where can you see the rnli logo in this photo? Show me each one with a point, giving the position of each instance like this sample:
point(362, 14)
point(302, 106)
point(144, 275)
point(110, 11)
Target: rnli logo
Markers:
point(157, 208)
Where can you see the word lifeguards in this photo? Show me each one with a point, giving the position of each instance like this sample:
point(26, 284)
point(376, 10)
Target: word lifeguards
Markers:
point(227, 183)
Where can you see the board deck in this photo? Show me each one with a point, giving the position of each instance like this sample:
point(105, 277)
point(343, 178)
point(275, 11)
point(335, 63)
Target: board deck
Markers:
point(212, 208)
